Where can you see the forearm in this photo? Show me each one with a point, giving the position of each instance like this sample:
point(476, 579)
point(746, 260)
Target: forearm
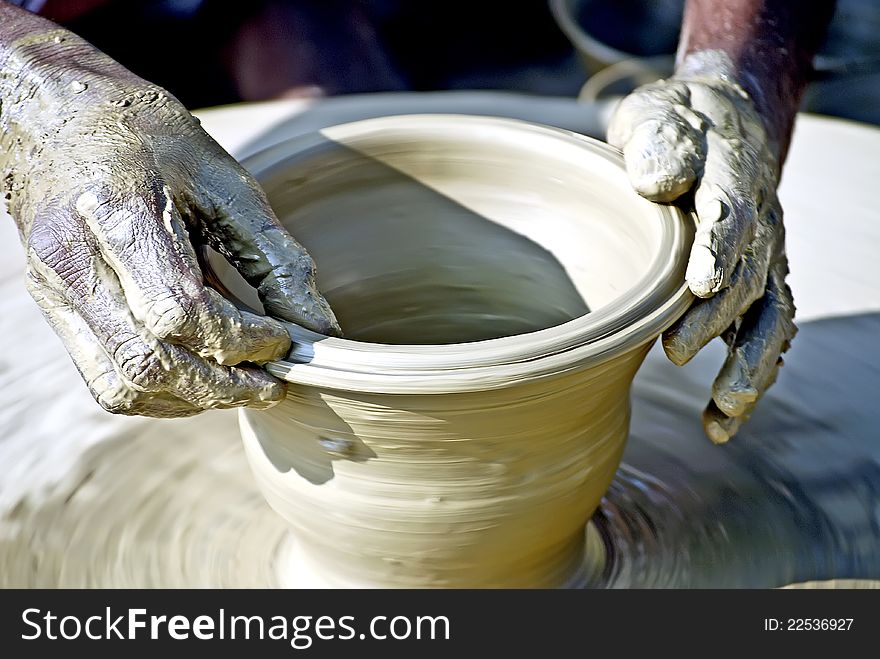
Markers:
point(22, 93)
point(771, 44)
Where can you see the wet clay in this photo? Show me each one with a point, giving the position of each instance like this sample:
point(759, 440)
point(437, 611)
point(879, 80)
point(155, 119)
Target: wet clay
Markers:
point(110, 179)
point(700, 131)
point(505, 283)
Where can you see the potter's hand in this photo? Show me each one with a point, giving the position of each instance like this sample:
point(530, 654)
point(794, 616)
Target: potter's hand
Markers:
point(700, 131)
point(111, 182)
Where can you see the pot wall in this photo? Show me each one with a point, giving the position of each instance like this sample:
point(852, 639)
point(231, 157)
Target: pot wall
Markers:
point(485, 489)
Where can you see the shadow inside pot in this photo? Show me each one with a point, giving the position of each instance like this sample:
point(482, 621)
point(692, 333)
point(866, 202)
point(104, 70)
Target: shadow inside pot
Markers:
point(405, 261)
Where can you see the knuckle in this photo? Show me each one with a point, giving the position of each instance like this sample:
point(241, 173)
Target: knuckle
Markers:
point(58, 253)
point(96, 200)
point(141, 367)
point(112, 394)
point(46, 245)
point(173, 316)
point(118, 399)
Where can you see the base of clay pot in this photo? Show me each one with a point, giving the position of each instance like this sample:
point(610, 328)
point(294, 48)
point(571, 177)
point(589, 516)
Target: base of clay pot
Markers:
point(295, 567)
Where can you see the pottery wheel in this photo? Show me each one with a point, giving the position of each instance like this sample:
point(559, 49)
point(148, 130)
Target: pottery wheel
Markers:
point(89, 499)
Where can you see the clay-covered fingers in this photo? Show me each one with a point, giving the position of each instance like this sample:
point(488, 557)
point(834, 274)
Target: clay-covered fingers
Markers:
point(237, 221)
point(128, 368)
point(755, 315)
point(677, 136)
point(700, 132)
point(146, 243)
point(662, 139)
point(99, 373)
point(734, 180)
point(718, 426)
point(710, 317)
point(754, 357)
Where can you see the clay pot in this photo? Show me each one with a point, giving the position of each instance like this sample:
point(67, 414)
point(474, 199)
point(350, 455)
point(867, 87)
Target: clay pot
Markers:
point(499, 284)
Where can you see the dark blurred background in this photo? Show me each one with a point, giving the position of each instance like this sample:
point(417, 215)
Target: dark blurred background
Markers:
point(213, 52)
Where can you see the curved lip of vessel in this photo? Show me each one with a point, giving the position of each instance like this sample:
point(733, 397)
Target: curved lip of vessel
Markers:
point(636, 316)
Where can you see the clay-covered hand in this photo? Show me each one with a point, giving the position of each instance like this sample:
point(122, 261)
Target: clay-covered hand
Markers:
point(699, 132)
point(113, 185)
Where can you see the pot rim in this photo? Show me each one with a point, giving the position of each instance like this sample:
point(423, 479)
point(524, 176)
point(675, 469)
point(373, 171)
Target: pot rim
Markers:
point(634, 317)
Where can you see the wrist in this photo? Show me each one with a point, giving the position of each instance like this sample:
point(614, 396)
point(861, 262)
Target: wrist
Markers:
point(770, 43)
point(716, 68)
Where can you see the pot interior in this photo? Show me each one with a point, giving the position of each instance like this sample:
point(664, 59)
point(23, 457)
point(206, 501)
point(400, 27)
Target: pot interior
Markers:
point(439, 237)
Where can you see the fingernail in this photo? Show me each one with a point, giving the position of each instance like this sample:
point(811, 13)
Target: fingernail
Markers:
point(733, 390)
point(322, 317)
point(280, 346)
point(659, 186)
point(677, 349)
point(269, 395)
point(736, 401)
point(711, 211)
point(718, 427)
point(327, 325)
point(703, 272)
point(273, 348)
point(716, 432)
point(272, 351)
